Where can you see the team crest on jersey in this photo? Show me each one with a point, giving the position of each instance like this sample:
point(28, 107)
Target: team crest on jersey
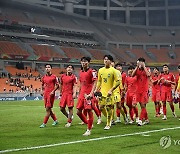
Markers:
point(109, 75)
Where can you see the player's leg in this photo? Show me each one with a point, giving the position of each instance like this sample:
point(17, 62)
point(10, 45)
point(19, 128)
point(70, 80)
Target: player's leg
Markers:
point(118, 107)
point(62, 105)
point(63, 110)
point(80, 107)
point(70, 115)
point(164, 98)
point(90, 122)
point(170, 100)
point(96, 110)
point(46, 118)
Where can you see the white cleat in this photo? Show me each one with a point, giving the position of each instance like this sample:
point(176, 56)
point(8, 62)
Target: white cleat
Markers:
point(118, 121)
point(82, 123)
point(131, 122)
point(68, 125)
point(87, 133)
point(164, 118)
point(107, 128)
point(146, 122)
point(99, 121)
point(161, 110)
point(140, 123)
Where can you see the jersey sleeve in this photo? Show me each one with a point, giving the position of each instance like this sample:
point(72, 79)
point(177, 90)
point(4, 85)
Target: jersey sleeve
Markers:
point(75, 80)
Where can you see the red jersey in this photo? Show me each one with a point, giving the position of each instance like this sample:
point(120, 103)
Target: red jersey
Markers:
point(177, 78)
point(86, 79)
point(123, 74)
point(166, 86)
point(67, 83)
point(142, 80)
point(155, 86)
point(49, 82)
point(131, 83)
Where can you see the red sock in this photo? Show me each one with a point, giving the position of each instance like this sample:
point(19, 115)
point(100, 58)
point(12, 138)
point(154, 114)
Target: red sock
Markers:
point(131, 113)
point(136, 111)
point(172, 107)
point(142, 115)
point(53, 116)
point(164, 109)
point(117, 112)
point(157, 109)
point(82, 117)
point(46, 119)
point(90, 121)
point(96, 111)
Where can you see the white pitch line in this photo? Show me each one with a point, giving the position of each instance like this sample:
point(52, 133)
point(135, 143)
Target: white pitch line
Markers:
point(88, 140)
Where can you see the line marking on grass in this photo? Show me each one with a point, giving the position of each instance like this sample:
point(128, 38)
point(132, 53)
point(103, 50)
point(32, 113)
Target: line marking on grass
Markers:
point(88, 140)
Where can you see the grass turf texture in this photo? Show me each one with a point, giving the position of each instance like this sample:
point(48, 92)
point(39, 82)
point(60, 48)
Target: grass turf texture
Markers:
point(20, 121)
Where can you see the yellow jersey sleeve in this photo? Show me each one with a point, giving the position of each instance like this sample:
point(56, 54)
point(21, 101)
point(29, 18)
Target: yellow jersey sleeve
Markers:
point(178, 87)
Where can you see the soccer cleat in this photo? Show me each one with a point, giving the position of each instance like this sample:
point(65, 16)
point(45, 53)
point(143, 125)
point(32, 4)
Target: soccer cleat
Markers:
point(107, 127)
point(126, 120)
point(68, 125)
point(113, 122)
point(137, 119)
point(82, 123)
point(87, 133)
point(42, 126)
point(131, 122)
point(157, 115)
point(174, 115)
point(146, 122)
point(55, 123)
point(140, 123)
point(118, 120)
point(164, 118)
point(99, 121)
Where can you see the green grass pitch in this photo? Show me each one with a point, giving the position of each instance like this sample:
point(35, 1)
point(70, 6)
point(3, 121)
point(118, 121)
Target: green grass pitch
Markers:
point(20, 121)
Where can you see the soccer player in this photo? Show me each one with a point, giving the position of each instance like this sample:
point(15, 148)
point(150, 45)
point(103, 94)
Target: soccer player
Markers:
point(156, 93)
point(142, 73)
point(120, 104)
point(166, 80)
point(49, 86)
point(68, 83)
point(177, 91)
point(131, 90)
point(106, 77)
point(88, 79)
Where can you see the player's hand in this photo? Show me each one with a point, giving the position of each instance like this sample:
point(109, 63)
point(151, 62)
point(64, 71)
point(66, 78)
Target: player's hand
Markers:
point(89, 96)
point(52, 93)
point(74, 95)
point(42, 94)
point(109, 93)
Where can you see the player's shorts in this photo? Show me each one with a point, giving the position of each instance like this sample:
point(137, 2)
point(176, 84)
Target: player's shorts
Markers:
point(49, 100)
point(117, 97)
point(156, 96)
point(106, 100)
point(80, 103)
point(66, 99)
point(142, 97)
point(131, 99)
point(166, 96)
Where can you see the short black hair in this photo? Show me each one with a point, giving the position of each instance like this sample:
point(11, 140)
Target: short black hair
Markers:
point(86, 58)
point(48, 64)
point(118, 64)
point(156, 68)
point(141, 59)
point(109, 57)
point(70, 65)
point(131, 67)
point(179, 67)
point(166, 65)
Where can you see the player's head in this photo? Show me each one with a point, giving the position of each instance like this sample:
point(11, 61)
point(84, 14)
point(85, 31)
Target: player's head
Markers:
point(48, 68)
point(130, 70)
point(69, 68)
point(112, 63)
point(165, 68)
point(140, 62)
point(85, 62)
point(107, 60)
point(156, 70)
point(179, 68)
point(118, 66)
point(141, 59)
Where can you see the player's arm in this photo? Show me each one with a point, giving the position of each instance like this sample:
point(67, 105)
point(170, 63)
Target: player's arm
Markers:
point(148, 73)
point(117, 78)
point(60, 86)
point(75, 88)
point(153, 81)
point(171, 81)
point(42, 86)
point(98, 82)
point(55, 87)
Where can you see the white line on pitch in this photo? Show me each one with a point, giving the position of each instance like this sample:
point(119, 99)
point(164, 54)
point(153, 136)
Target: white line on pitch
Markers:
point(88, 140)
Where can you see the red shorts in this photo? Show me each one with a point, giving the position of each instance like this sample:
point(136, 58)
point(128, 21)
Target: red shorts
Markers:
point(166, 96)
point(142, 97)
point(131, 99)
point(66, 99)
point(49, 100)
point(80, 103)
point(88, 104)
point(156, 96)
